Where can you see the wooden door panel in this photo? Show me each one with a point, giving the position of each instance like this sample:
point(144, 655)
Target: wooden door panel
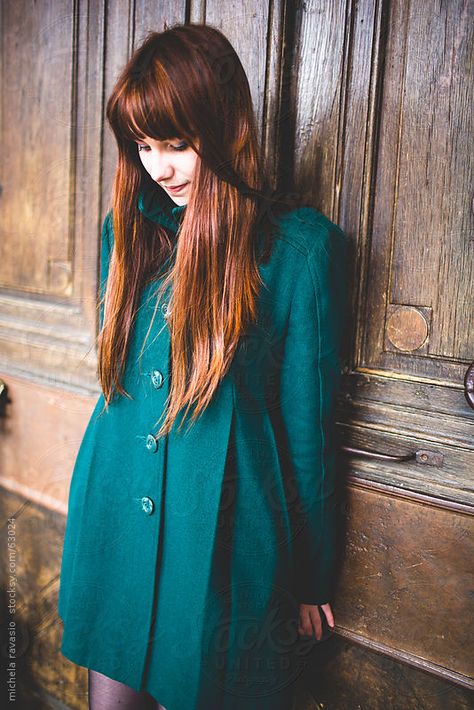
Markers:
point(381, 99)
point(421, 268)
point(405, 584)
point(36, 155)
point(382, 141)
point(50, 138)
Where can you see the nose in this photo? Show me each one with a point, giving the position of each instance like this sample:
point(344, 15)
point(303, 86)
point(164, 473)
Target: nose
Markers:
point(160, 168)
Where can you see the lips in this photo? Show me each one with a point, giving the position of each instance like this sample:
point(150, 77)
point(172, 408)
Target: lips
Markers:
point(175, 188)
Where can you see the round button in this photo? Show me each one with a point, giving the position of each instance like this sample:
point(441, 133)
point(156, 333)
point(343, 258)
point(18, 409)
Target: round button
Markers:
point(151, 443)
point(157, 379)
point(164, 310)
point(147, 505)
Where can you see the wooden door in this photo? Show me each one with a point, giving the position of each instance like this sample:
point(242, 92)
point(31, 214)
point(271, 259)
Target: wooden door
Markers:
point(367, 108)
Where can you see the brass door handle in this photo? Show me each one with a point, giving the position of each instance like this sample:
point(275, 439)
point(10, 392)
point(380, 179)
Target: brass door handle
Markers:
point(366, 453)
point(469, 385)
point(3, 398)
point(430, 458)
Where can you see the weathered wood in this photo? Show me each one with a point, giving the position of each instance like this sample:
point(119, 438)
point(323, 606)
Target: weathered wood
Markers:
point(366, 108)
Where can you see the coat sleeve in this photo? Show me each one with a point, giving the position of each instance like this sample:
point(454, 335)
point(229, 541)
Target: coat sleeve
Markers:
point(105, 253)
point(309, 384)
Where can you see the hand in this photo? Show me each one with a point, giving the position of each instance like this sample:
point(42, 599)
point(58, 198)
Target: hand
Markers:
point(310, 620)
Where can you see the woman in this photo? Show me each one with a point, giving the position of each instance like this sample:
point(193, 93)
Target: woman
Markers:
point(199, 546)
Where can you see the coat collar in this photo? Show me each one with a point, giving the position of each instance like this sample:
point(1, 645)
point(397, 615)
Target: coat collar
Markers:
point(155, 204)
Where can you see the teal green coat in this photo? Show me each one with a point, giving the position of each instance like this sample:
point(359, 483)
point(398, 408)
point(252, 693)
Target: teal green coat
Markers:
point(185, 559)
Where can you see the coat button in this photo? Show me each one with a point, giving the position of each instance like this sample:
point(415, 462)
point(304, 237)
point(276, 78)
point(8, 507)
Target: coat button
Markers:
point(151, 443)
point(147, 505)
point(157, 379)
point(164, 310)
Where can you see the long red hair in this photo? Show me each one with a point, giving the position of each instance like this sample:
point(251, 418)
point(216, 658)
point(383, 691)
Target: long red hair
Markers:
point(188, 83)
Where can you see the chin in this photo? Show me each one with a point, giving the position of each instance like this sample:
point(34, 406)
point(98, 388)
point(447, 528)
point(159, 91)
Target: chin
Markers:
point(179, 200)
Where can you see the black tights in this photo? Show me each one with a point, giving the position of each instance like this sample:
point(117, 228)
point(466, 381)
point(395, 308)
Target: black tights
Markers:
point(108, 694)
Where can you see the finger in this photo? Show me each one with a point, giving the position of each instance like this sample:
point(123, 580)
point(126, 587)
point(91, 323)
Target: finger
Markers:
point(316, 622)
point(328, 613)
point(305, 627)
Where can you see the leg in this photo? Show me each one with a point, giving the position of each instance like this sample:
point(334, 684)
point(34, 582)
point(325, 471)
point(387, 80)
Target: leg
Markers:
point(108, 694)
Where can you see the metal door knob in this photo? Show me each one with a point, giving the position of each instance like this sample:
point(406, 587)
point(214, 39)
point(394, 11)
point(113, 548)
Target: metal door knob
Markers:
point(469, 385)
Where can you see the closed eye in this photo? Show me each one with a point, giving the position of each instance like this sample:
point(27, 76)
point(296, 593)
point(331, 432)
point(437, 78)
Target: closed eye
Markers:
point(180, 147)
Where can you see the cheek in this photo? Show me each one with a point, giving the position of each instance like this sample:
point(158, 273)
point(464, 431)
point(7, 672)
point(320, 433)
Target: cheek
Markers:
point(189, 165)
point(143, 160)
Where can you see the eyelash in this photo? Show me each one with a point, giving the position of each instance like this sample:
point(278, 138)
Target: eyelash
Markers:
point(178, 148)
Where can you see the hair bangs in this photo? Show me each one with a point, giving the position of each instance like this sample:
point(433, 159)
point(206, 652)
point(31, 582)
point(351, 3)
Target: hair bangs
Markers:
point(151, 108)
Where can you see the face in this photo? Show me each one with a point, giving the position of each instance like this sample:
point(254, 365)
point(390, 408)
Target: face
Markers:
point(170, 163)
